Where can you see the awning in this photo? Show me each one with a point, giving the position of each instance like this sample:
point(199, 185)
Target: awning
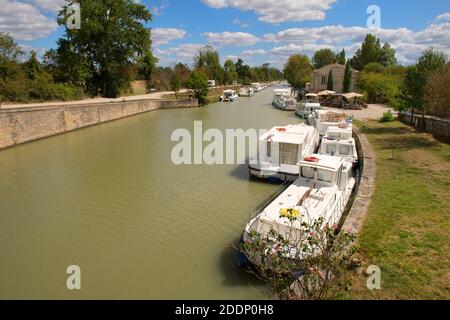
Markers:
point(326, 93)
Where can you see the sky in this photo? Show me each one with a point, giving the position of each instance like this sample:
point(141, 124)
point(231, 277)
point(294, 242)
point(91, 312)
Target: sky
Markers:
point(258, 31)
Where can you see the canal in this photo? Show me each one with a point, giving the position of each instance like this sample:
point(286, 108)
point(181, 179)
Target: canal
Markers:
point(108, 199)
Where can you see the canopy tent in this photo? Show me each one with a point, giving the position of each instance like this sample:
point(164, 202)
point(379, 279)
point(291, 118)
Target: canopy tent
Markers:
point(326, 93)
point(310, 95)
point(352, 95)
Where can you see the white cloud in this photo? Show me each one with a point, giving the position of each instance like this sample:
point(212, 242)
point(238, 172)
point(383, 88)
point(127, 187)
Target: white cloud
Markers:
point(49, 5)
point(278, 11)
point(166, 35)
point(24, 21)
point(256, 52)
point(443, 17)
point(184, 53)
point(231, 38)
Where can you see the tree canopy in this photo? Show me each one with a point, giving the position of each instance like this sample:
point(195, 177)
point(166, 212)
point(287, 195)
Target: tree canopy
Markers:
point(323, 57)
point(372, 51)
point(297, 71)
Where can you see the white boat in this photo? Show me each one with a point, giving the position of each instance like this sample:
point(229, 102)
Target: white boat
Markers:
point(339, 142)
point(309, 104)
point(322, 191)
point(246, 92)
point(288, 104)
point(256, 86)
point(323, 119)
point(280, 149)
point(279, 94)
point(229, 96)
point(211, 83)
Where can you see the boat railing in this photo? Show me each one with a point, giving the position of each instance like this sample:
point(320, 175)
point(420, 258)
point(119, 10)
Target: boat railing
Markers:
point(263, 204)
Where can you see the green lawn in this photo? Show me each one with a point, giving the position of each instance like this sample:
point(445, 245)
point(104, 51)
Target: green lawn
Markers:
point(407, 231)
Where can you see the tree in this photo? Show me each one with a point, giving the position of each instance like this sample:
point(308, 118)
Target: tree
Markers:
point(323, 57)
point(243, 71)
point(347, 78)
point(330, 84)
point(112, 35)
point(147, 65)
point(416, 78)
point(297, 71)
point(340, 57)
point(198, 83)
point(207, 61)
point(175, 84)
point(387, 56)
point(230, 71)
point(183, 72)
point(369, 52)
point(437, 95)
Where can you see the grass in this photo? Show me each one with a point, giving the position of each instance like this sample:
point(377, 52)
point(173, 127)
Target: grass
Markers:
point(407, 231)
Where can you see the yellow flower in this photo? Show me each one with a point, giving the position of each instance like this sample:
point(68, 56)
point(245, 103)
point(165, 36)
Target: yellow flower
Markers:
point(289, 213)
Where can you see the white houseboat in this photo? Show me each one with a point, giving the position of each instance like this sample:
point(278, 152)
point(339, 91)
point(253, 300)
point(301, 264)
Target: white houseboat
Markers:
point(339, 142)
point(256, 86)
point(279, 94)
point(322, 191)
point(323, 119)
point(309, 104)
point(229, 96)
point(246, 92)
point(280, 149)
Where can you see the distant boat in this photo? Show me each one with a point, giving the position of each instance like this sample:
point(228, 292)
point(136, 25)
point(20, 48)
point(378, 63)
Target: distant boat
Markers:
point(246, 92)
point(229, 96)
point(257, 87)
point(280, 149)
point(309, 104)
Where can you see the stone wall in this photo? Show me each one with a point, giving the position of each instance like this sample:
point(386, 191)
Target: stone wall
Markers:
point(21, 125)
point(440, 128)
point(357, 215)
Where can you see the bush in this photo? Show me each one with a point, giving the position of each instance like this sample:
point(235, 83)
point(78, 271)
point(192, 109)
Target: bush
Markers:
point(387, 117)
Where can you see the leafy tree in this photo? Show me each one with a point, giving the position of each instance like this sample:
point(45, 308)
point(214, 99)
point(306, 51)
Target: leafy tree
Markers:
point(387, 56)
point(147, 65)
point(230, 71)
point(243, 71)
point(111, 37)
point(198, 83)
point(183, 72)
point(330, 84)
point(323, 57)
point(369, 52)
point(416, 78)
point(347, 78)
point(374, 67)
point(437, 95)
point(297, 71)
point(207, 61)
point(340, 57)
point(175, 84)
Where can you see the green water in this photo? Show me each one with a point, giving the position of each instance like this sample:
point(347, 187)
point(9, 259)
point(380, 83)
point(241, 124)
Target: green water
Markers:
point(109, 199)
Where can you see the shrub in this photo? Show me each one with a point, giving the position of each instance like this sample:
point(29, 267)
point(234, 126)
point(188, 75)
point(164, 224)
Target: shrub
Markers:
point(387, 117)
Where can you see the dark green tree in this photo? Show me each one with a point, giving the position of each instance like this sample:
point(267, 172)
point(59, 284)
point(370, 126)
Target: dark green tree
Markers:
point(340, 57)
point(387, 56)
point(330, 84)
point(175, 84)
point(369, 52)
point(347, 78)
point(230, 71)
point(243, 71)
point(297, 71)
point(207, 61)
point(198, 83)
point(323, 57)
point(112, 36)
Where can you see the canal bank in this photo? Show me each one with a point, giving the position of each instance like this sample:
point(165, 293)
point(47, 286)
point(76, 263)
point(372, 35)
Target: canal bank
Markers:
point(20, 125)
point(108, 199)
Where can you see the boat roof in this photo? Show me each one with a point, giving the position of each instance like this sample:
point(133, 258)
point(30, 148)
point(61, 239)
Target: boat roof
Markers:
point(229, 91)
point(324, 162)
point(313, 207)
point(293, 134)
point(311, 95)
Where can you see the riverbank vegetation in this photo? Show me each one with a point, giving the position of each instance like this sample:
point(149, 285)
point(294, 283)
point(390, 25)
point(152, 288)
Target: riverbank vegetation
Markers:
point(407, 231)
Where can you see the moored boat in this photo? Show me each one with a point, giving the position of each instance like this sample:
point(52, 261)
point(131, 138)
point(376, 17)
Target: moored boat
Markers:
point(309, 104)
point(229, 96)
point(280, 149)
point(339, 141)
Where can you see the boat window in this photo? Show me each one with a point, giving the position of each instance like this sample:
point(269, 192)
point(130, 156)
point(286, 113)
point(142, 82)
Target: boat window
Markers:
point(344, 150)
point(288, 153)
point(269, 149)
point(307, 172)
point(325, 176)
point(331, 149)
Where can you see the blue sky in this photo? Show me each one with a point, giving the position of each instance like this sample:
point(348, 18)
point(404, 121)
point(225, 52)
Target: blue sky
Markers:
point(258, 31)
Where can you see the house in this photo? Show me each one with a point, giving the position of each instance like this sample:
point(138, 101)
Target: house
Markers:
point(320, 78)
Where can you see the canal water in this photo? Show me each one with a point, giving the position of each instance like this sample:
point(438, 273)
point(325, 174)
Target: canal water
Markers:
point(109, 199)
